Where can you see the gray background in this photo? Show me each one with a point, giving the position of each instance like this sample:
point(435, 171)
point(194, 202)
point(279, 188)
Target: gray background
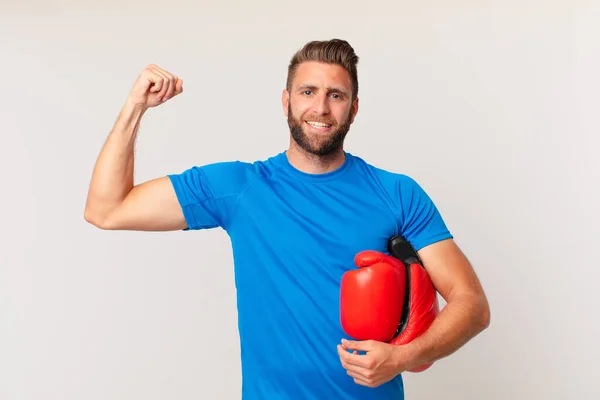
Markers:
point(491, 105)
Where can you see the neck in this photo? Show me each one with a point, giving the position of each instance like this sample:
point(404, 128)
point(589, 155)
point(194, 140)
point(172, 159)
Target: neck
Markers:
point(314, 164)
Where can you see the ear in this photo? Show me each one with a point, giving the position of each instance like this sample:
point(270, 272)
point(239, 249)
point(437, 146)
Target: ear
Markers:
point(285, 101)
point(354, 109)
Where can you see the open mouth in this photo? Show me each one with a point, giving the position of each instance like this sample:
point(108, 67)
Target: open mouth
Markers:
point(319, 126)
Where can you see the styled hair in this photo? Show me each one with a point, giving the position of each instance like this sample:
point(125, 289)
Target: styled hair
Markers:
point(334, 51)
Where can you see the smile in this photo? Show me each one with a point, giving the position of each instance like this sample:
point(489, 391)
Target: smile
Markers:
point(318, 125)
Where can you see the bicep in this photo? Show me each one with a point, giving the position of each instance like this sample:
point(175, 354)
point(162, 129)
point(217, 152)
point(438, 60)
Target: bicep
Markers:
point(449, 269)
point(149, 206)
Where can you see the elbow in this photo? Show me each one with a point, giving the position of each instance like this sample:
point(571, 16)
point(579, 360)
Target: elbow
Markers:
point(90, 217)
point(95, 219)
point(484, 315)
point(476, 309)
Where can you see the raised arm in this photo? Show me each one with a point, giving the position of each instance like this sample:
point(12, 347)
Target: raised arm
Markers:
point(114, 202)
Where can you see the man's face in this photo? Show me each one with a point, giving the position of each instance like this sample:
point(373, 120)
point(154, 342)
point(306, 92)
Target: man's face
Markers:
point(319, 107)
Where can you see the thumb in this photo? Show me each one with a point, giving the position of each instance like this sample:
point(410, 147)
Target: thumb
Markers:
point(367, 258)
point(365, 345)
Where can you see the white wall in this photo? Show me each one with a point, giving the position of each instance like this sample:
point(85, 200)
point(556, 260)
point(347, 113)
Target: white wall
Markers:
point(491, 105)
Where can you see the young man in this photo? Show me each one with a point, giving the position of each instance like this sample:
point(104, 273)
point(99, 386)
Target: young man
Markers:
point(296, 221)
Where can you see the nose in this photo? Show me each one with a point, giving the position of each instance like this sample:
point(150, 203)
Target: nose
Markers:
point(321, 104)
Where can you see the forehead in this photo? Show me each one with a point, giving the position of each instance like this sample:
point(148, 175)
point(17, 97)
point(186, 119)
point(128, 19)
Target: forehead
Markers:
point(321, 74)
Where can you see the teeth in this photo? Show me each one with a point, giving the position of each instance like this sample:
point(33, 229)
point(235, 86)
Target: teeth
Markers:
point(318, 124)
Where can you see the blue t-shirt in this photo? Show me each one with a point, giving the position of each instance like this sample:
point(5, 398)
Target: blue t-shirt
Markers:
point(293, 236)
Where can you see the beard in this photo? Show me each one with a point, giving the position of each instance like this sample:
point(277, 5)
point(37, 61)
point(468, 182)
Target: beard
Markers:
point(319, 145)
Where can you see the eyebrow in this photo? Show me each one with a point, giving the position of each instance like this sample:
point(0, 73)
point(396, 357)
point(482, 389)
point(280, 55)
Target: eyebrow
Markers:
point(329, 89)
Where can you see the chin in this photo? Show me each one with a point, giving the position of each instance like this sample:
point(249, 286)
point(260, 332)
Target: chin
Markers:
point(318, 142)
point(319, 145)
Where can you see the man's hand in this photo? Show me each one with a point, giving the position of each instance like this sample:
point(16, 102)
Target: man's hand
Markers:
point(154, 86)
point(381, 363)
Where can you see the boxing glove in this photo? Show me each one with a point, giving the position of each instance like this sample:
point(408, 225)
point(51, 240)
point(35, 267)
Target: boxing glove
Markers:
point(372, 297)
point(413, 297)
point(421, 305)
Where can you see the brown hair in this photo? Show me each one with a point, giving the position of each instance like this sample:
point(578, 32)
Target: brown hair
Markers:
point(334, 51)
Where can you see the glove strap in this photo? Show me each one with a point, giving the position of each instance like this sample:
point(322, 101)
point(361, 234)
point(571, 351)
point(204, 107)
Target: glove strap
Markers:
point(401, 249)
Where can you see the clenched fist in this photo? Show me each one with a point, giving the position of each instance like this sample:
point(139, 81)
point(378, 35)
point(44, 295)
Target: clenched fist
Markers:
point(154, 86)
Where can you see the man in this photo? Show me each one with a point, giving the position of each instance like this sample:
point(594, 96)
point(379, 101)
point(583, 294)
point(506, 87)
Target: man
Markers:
point(296, 221)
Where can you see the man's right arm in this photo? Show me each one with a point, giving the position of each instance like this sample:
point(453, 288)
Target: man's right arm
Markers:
point(113, 201)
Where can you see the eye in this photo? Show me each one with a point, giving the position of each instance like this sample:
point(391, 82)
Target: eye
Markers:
point(307, 92)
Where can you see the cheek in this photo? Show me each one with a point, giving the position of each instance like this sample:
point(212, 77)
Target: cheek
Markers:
point(300, 105)
point(298, 111)
point(343, 113)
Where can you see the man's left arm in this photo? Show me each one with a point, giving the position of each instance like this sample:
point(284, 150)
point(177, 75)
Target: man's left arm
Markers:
point(465, 315)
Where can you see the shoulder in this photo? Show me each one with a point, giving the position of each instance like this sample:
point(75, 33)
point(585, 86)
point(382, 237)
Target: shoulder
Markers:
point(420, 221)
point(393, 181)
point(224, 178)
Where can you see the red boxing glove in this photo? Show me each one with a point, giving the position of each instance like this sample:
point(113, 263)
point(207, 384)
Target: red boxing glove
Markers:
point(372, 297)
point(371, 301)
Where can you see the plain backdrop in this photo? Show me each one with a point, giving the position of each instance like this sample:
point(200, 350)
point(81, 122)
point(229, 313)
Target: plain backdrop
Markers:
point(492, 106)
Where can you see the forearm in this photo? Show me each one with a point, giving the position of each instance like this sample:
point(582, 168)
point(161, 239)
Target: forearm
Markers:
point(458, 322)
point(112, 177)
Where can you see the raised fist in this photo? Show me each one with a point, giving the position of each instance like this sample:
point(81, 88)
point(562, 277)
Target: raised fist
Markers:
point(154, 86)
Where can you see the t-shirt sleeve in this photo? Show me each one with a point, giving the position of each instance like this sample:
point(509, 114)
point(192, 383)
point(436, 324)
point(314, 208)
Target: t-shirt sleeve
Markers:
point(208, 193)
point(422, 223)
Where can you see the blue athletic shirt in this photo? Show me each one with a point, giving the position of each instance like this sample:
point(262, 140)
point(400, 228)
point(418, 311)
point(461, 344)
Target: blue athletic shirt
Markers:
point(293, 235)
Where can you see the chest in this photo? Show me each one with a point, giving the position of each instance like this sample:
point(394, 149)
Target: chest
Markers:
point(309, 222)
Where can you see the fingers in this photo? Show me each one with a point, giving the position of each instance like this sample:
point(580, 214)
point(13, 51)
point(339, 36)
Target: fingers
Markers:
point(366, 345)
point(358, 367)
point(164, 84)
point(361, 381)
point(169, 85)
point(355, 360)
